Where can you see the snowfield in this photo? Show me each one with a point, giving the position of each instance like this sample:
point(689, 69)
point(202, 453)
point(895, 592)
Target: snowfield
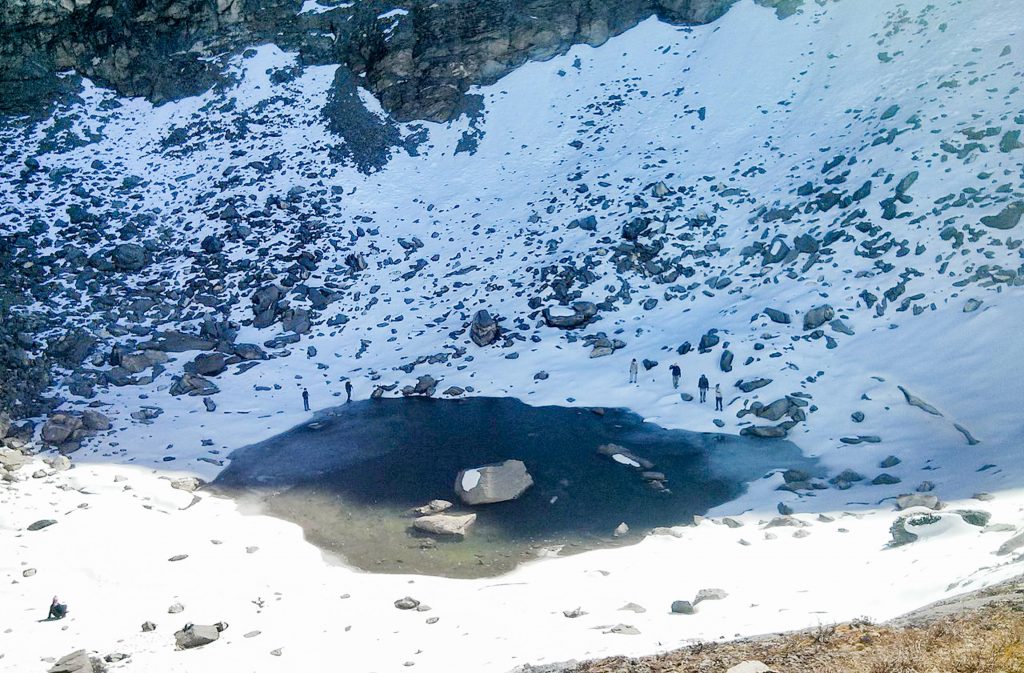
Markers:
point(863, 156)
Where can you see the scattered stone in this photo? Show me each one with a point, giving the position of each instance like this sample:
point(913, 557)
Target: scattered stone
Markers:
point(41, 524)
point(176, 608)
point(484, 329)
point(432, 507)
point(682, 608)
point(621, 530)
point(148, 626)
point(710, 595)
point(407, 603)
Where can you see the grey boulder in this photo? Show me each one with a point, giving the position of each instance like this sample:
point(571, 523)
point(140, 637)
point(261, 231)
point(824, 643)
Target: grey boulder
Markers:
point(497, 482)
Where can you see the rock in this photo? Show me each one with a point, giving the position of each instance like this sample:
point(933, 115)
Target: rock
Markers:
point(41, 524)
point(752, 385)
point(620, 530)
point(194, 385)
point(885, 480)
point(77, 662)
point(196, 635)
point(5, 424)
point(857, 416)
point(94, 420)
point(725, 362)
point(889, 461)
point(848, 476)
point(407, 603)
point(763, 431)
point(59, 428)
point(972, 305)
point(918, 500)
point(484, 329)
point(148, 626)
point(623, 630)
point(633, 607)
point(445, 524)
point(777, 316)
point(818, 316)
point(574, 613)
point(1011, 545)
point(1007, 218)
point(176, 608)
point(188, 484)
point(582, 313)
point(497, 482)
point(750, 666)
point(432, 507)
point(209, 364)
point(58, 463)
point(682, 608)
point(902, 535)
point(710, 595)
point(128, 257)
point(11, 459)
point(915, 401)
point(264, 305)
point(974, 517)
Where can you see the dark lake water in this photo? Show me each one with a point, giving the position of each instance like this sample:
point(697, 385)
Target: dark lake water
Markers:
point(349, 477)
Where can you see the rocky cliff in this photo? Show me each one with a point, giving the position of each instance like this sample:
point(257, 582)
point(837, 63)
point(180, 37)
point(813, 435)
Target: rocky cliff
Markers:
point(419, 57)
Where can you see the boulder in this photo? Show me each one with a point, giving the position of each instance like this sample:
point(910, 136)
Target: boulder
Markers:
point(918, 500)
point(209, 364)
point(188, 484)
point(777, 316)
point(484, 329)
point(818, 316)
point(196, 635)
point(445, 524)
point(59, 428)
point(407, 603)
point(128, 257)
point(195, 385)
point(94, 420)
point(710, 595)
point(11, 459)
point(497, 482)
point(582, 313)
point(682, 608)
point(77, 662)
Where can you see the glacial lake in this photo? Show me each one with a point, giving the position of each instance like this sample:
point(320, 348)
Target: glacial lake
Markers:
point(350, 475)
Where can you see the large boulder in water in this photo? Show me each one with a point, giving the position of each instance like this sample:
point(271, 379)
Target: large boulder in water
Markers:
point(497, 482)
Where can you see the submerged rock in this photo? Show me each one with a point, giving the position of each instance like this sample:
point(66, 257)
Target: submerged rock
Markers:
point(445, 524)
point(497, 482)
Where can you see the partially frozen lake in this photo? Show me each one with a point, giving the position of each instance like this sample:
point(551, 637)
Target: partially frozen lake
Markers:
point(351, 474)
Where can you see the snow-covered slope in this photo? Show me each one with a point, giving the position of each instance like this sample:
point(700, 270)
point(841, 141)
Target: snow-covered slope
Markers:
point(863, 156)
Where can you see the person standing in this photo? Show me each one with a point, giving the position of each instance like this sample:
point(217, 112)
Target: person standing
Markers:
point(305, 399)
point(348, 391)
point(633, 369)
point(718, 397)
point(702, 386)
point(676, 373)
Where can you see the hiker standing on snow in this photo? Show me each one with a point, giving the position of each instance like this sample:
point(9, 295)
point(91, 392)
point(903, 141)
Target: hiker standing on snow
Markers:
point(676, 373)
point(305, 399)
point(348, 391)
point(702, 386)
point(718, 397)
point(632, 371)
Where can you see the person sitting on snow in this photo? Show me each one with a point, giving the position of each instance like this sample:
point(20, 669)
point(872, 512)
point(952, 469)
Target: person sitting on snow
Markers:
point(58, 610)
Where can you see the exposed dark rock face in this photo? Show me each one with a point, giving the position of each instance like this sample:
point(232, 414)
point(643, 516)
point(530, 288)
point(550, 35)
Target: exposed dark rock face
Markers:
point(419, 62)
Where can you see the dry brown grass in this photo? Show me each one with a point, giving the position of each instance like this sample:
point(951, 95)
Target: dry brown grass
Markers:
point(986, 640)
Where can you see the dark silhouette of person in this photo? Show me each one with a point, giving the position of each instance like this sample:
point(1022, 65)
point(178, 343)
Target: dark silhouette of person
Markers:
point(305, 399)
point(702, 386)
point(676, 373)
point(348, 391)
point(58, 610)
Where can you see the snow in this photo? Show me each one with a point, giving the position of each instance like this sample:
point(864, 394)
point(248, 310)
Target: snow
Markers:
point(470, 478)
point(624, 460)
point(812, 87)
